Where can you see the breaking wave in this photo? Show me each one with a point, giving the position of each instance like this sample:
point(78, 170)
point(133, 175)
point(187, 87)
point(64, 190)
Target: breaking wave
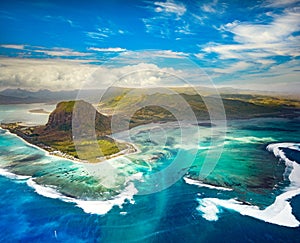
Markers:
point(280, 212)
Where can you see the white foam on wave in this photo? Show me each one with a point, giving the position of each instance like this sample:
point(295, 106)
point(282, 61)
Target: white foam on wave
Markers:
point(13, 176)
point(209, 210)
point(92, 206)
point(45, 191)
point(250, 139)
point(88, 206)
point(294, 175)
point(280, 212)
point(102, 207)
point(201, 184)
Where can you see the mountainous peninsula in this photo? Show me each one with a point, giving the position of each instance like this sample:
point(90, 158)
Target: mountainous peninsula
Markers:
point(75, 129)
point(56, 136)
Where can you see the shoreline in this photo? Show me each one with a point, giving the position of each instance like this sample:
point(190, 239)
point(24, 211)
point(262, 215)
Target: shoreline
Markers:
point(40, 148)
point(90, 206)
point(131, 148)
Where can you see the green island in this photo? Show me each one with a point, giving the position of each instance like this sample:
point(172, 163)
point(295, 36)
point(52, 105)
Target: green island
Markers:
point(94, 142)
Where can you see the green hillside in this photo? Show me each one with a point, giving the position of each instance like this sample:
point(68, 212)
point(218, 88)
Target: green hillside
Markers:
point(237, 106)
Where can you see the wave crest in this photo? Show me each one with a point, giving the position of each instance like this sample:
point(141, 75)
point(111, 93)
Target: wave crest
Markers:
point(280, 212)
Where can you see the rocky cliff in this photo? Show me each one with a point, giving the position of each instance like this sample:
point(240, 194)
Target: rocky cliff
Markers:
point(80, 115)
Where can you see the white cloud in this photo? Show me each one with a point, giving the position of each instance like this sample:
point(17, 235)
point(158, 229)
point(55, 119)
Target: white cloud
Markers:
point(139, 75)
point(160, 53)
point(254, 57)
point(275, 84)
point(210, 7)
point(265, 61)
point(156, 56)
point(110, 49)
point(17, 47)
point(169, 54)
point(103, 33)
point(198, 19)
point(104, 29)
point(280, 3)
point(282, 78)
point(284, 83)
point(62, 52)
point(253, 51)
point(59, 19)
point(170, 7)
point(261, 43)
point(184, 29)
point(96, 35)
point(159, 26)
point(60, 74)
point(168, 19)
point(235, 67)
point(55, 52)
point(37, 73)
point(279, 30)
point(199, 55)
point(291, 66)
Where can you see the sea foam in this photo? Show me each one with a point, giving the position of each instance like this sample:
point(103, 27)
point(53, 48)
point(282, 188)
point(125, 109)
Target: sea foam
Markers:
point(10, 175)
point(249, 139)
point(280, 212)
point(88, 206)
point(201, 184)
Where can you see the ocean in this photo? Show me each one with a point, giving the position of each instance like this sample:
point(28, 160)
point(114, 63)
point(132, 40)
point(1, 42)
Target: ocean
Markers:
point(251, 193)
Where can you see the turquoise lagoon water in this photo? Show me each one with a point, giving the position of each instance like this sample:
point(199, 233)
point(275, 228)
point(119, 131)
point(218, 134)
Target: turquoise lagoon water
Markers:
point(251, 194)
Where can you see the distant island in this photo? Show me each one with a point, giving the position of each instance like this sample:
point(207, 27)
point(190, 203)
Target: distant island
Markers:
point(57, 136)
point(39, 111)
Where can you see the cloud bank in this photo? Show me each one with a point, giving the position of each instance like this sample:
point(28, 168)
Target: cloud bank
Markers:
point(74, 74)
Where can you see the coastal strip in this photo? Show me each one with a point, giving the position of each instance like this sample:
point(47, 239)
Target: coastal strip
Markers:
point(16, 130)
point(91, 206)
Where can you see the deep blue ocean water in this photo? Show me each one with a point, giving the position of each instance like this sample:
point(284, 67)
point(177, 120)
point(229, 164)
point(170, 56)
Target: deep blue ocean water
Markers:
point(184, 212)
point(29, 217)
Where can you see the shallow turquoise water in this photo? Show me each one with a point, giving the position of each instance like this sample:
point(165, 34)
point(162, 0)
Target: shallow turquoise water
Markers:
point(57, 198)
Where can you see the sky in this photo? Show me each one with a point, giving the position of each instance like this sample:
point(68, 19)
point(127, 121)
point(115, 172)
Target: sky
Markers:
point(62, 44)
